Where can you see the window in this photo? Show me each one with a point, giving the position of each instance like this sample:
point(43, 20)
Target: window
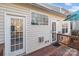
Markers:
point(39, 19)
point(65, 28)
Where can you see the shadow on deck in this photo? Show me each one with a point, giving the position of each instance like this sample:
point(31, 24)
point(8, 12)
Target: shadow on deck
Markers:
point(55, 51)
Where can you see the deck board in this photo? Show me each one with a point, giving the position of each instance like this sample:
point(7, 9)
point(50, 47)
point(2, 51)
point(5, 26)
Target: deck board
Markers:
point(55, 51)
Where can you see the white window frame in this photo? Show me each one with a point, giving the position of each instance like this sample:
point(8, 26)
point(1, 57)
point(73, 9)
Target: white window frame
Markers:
point(41, 14)
point(68, 27)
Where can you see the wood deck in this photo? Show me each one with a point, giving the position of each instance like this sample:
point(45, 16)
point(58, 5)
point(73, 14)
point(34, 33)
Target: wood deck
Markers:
point(55, 51)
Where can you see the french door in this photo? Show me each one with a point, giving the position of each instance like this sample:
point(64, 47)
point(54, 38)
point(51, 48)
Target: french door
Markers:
point(14, 35)
point(54, 31)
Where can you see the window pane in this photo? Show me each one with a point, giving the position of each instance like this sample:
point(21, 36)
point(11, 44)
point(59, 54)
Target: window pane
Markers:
point(39, 19)
point(16, 34)
point(21, 46)
point(65, 28)
point(21, 25)
point(13, 34)
point(21, 40)
point(17, 40)
point(17, 47)
point(12, 41)
point(12, 28)
point(53, 36)
point(12, 48)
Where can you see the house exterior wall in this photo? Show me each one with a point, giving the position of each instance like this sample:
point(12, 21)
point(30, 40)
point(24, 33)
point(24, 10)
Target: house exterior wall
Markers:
point(69, 27)
point(75, 25)
point(8, 8)
point(1, 32)
point(51, 15)
point(1, 27)
point(32, 32)
point(35, 31)
point(59, 27)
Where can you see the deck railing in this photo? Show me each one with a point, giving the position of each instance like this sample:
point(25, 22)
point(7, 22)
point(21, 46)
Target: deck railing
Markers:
point(68, 40)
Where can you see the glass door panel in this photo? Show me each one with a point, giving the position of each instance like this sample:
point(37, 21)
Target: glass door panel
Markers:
point(16, 34)
point(53, 31)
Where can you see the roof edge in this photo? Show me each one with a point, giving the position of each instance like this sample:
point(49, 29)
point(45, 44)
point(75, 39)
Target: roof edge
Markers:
point(53, 9)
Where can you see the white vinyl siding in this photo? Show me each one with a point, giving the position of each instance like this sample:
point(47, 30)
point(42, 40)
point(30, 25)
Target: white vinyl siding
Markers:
point(2, 36)
point(32, 32)
point(8, 8)
point(36, 31)
point(75, 25)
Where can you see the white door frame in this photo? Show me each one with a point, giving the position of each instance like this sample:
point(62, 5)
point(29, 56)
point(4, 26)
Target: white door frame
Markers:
point(14, 14)
point(55, 31)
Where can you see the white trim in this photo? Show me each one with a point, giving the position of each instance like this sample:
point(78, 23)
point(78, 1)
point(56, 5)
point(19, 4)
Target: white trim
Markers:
point(16, 14)
point(38, 13)
point(54, 31)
